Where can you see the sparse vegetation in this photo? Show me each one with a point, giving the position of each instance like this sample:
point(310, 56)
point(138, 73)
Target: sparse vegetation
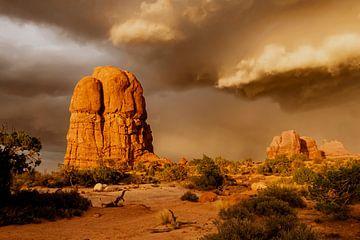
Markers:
point(286, 194)
point(71, 176)
point(267, 216)
point(209, 174)
point(174, 172)
point(32, 207)
point(189, 196)
point(304, 175)
point(19, 152)
point(336, 189)
point(282, 165)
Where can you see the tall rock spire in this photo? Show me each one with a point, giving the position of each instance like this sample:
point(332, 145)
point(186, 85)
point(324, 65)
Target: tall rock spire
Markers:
point(108, 121)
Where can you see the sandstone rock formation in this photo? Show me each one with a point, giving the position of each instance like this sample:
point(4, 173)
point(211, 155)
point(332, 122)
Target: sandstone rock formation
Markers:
point(335, 149)
point(309, 148)
point(108, 121)
point(290, 143)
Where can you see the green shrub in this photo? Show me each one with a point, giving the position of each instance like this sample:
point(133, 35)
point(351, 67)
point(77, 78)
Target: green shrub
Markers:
point(239, 211)
point(174, 172)
point(282, 165)
point(299, 232)
point(279, 165)
point(304, 175)
point(189, 196)
point(268, 215)
point(278, 227)
point(268, 206)
point(32, 206)
point(286, 194)
point(210, 174)
point(236, 229)
point(90, 177)
point(275, 225)
point(336, 189)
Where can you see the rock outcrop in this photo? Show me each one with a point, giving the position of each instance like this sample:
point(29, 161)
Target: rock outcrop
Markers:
point(108, 121)
point(335, 149)
point(309, 148)
point(290, 143)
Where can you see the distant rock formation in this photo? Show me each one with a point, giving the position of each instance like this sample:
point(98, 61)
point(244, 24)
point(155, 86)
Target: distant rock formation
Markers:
point(108, 121)
point(335, 149)
point(290, 143)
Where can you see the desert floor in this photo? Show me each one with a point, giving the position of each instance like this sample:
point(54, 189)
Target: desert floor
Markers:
point(139, 217)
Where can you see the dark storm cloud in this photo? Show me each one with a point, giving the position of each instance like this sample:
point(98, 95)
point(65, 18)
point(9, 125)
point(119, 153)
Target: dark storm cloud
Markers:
point(84, 18)
point(41, 116)
point(175, 44)
point(192, 46)
point(304, 89)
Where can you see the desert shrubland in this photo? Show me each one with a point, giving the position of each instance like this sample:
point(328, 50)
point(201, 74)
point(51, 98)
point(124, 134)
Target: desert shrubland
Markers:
point(268, 215)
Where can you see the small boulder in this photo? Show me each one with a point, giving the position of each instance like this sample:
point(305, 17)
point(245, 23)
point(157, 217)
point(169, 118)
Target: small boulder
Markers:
point(258, 186)
point(99, 187)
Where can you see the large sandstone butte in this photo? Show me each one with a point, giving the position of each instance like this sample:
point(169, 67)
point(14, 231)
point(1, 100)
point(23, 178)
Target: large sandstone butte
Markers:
point(108, 121)
point(290, 143)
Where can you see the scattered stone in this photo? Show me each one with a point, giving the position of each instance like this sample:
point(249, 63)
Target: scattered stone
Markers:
point(99, 187)
point(258, 186)
point(97, 215)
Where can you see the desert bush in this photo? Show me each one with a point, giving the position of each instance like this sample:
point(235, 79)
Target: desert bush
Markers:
point(243, 226)
point(304, 175)
point(174, 172)
point(32, 206)
point(210, 176)
point(71, 176)
point(336, 189)
point(268, 215)
point(90, 177)
point(239, 211)
point(189, 196)
point(298, 232)
point(139, 166)
point(286, 194)
point(282, 165)
point(236, 229)
point(268, 206)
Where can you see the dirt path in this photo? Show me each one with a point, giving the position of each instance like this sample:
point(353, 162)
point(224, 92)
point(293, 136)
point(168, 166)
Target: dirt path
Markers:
point(134, 221)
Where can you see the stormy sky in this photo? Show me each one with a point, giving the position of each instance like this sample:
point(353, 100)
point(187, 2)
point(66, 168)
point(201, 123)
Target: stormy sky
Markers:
point(220, 77)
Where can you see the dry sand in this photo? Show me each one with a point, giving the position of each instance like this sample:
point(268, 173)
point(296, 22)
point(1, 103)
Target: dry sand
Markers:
point(135, 220)
point(140, 215)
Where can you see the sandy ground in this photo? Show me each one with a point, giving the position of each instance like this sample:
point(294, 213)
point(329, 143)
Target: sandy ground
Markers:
point(140, 216)
point(136, 220)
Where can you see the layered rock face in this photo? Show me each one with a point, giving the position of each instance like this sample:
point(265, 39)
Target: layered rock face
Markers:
point(290, 143)
point(108, 121)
